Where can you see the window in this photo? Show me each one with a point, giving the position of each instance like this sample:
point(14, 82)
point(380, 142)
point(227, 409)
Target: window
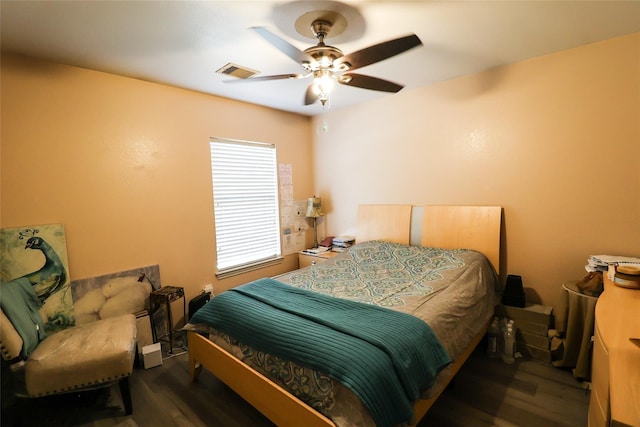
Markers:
point(245, 202)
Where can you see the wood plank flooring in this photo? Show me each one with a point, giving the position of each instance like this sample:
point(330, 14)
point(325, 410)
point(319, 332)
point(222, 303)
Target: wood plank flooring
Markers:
point(487, 392)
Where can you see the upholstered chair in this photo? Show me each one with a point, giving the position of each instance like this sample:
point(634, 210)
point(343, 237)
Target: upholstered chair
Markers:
point(88, 356)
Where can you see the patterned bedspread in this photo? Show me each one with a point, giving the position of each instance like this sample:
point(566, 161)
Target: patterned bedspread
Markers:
point(384, 274)
point(453, 291)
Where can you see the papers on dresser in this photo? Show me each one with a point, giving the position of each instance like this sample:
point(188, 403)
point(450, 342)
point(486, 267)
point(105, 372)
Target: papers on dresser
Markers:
point(317, 251)
point(602, 262)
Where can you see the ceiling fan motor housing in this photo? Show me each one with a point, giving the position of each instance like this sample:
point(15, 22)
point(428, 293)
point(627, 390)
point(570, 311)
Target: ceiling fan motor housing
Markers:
point(322, 54)
point(323, 58)
point(321, 28)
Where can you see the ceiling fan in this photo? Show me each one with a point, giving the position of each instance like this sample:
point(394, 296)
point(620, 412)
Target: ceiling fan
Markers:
point(327, 64)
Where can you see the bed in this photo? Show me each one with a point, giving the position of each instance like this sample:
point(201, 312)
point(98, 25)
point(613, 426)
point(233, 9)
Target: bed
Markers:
point(448, 283)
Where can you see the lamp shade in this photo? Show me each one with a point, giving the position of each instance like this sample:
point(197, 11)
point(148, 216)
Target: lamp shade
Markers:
point(313, 207)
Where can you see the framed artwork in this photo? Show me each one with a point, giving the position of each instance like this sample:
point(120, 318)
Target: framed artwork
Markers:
point(114, 294)
point(39, 254)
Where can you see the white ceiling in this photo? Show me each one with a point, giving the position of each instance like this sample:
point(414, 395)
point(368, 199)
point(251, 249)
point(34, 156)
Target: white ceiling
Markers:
point(183, 43)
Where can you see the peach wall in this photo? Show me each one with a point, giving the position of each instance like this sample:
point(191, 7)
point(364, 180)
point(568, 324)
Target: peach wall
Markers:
point(124, 164)
point(554, 140)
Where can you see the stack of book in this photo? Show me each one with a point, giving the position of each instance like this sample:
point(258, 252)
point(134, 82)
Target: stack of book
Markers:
point(342, 243)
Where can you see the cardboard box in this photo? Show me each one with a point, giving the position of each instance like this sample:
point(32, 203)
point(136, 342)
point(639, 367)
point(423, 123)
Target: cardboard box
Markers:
point(533, 313)
point(537, 340)
point(539, 329)
point(151, 355)
point(539, 353)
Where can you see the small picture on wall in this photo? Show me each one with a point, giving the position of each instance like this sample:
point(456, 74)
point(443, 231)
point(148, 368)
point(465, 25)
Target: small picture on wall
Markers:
point(37, 256)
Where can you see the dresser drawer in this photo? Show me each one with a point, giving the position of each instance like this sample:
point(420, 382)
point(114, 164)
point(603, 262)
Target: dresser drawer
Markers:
point(305, 260)
point(599, 402)
point(596, 417)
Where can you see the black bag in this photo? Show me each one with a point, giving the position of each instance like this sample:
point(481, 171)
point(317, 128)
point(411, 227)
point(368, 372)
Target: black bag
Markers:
point(197, 302)
point(514, 292)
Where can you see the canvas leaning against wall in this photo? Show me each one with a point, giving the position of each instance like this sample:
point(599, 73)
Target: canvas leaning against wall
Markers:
point(39, 254)
point(114, 294)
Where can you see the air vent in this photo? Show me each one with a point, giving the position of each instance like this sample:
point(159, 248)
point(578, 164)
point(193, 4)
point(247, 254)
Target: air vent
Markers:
point(237, 71)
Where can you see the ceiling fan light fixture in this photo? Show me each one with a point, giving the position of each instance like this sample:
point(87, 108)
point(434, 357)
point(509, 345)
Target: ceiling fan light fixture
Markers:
point(323, 84)
point(323, 98)
point(325, 61)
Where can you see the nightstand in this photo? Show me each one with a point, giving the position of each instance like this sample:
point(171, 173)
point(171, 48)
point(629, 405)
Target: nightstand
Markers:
point(305, 259)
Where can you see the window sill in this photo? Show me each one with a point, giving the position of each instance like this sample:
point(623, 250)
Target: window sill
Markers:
point(234, 271)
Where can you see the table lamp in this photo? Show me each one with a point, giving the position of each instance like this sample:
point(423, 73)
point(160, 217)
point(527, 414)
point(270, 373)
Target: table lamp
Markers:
point(313, 211)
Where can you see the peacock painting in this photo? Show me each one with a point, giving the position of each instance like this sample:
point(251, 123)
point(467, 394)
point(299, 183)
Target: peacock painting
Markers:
point(52, 275)
point(39, 255)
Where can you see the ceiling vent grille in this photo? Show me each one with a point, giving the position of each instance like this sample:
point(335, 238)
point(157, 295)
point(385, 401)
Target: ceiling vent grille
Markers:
point(236, 70)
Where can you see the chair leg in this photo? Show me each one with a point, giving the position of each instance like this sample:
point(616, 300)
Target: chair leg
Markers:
point(125, 392)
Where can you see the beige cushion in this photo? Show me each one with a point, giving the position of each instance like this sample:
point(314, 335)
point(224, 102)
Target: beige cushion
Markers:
point(129, 300)
point(82, 356)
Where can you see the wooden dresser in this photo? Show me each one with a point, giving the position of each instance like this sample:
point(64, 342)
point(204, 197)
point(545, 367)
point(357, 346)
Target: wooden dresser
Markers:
point(615, 387)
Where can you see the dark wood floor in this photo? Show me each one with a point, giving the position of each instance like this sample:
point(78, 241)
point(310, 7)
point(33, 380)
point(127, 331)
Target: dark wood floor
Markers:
point(487, 392)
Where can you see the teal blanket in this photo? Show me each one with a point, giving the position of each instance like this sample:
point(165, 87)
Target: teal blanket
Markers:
point(21, 305)
point(385, 357)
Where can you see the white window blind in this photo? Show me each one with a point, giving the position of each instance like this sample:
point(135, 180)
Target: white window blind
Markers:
point(245, 201)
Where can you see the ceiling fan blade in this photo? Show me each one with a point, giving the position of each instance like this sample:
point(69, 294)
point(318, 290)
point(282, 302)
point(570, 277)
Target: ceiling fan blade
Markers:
point(378, 52)
point(310, 96)
point(265, 78)
point(283, 46)
point(368, 82)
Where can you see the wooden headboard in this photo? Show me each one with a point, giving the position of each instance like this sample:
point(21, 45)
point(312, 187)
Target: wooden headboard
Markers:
point(391, 223)
point(448, 227)
point(464, 227)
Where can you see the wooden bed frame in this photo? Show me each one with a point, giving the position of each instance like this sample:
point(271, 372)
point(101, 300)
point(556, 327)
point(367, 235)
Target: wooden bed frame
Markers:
point(469, 227)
